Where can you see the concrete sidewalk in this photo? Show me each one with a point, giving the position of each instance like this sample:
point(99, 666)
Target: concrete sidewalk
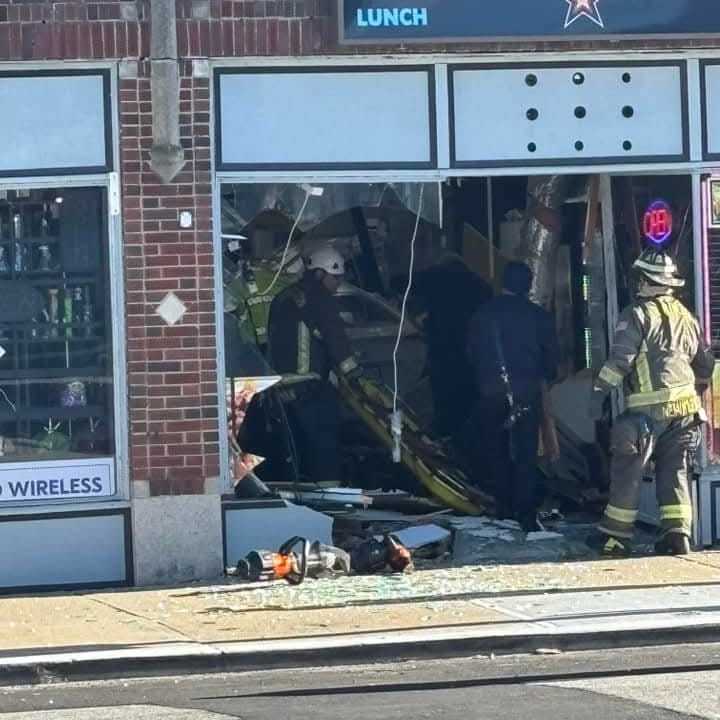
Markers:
point(458, 610)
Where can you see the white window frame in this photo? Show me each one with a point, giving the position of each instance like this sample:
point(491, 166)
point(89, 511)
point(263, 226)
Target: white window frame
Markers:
point(694, 168)
point(108, 182)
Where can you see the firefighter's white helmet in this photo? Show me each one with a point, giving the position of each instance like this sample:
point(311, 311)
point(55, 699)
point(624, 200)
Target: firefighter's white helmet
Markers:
point(327, 259)
point(658, 267)
point(295, 265)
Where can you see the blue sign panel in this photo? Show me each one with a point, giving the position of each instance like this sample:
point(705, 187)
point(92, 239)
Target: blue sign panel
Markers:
point(383, 21)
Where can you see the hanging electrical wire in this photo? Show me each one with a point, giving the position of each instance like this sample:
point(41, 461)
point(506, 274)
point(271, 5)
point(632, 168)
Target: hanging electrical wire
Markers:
point(309, 192)
point(396, 418)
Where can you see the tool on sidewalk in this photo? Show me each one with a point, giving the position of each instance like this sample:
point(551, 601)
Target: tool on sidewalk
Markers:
point(377, 554)
point(296, 560)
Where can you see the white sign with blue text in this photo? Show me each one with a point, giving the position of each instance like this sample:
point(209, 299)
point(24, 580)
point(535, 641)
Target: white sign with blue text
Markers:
point(57, 480)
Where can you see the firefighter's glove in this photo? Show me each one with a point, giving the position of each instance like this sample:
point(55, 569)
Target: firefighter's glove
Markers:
point(597, 405)
point(356, 373)
point(351, 369)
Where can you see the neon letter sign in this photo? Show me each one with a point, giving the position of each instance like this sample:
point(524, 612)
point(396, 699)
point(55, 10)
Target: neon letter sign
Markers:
point(658, 222)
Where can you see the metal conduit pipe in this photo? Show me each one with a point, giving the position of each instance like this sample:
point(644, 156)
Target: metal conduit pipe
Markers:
point(541, 233)
point(166, 155)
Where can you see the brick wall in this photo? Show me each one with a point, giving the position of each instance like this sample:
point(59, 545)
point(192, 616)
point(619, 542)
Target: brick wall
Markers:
point(172, 371)
point(43, 30)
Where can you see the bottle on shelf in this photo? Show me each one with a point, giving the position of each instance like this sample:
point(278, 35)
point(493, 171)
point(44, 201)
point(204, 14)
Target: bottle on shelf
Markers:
point(77, 310)
point(20, 249)
point(54, 312)
point(53, 219)
point(45, 258)
point(88, 314)
point(68, 311)
point(74, 394)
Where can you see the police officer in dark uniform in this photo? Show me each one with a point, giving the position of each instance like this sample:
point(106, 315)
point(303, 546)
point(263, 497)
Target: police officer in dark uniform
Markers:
point(512, 347)
point(307, 340)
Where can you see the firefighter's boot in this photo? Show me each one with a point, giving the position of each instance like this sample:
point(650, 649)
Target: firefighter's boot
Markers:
point(673, 544)
point(609, 546)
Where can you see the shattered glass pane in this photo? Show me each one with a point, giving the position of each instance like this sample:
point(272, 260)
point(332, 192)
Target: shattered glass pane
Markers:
point(243, 203)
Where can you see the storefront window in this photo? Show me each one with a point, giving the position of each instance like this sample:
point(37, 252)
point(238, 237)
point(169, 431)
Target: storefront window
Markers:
point(56, 363)
point(268, 228)
point(365, 221)
point(267, 232)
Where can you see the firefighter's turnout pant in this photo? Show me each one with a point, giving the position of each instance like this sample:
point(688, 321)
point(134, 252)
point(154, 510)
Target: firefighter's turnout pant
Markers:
point(636, 439)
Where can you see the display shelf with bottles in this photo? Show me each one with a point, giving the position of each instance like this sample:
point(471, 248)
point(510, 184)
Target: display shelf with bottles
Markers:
point(56, 388)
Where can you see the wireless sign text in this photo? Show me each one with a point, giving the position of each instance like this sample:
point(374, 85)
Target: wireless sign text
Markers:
point(55, 480)
point(56, 487)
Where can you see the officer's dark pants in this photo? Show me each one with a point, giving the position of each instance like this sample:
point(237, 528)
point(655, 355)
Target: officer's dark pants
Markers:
point(452, 390)
point(508, 456)
point(314, 417)
point(635, 440)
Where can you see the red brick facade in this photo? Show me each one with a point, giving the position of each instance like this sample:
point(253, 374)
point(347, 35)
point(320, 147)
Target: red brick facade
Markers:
point(172, 374)
point(57, 30)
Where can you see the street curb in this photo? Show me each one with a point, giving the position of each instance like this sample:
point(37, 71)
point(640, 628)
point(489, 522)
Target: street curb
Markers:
point(89, 665)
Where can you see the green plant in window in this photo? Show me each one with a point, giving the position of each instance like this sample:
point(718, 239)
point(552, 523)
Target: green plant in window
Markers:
point(51, 440)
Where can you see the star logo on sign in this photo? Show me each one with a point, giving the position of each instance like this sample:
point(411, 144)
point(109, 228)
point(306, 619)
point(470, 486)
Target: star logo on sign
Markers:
point(583, 8)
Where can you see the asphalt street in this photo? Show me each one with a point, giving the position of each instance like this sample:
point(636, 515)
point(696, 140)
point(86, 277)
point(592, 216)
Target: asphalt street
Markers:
point(660, 683)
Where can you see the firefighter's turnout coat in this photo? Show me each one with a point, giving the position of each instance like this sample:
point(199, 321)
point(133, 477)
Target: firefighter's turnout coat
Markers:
point(306, 332)
point(253, 300)
point(658, 355)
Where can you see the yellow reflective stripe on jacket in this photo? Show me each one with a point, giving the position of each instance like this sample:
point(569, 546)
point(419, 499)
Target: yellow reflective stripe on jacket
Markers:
point(610, 376)
point(303, 349)
point(681, 408)
point(621, 515)
point(642, 370)
point(682, 392)
point(676, 512)
point(676, 310)
point(260, 300)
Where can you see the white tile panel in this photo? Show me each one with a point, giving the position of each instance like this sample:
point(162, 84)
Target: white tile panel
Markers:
point(712, 110)
point(292, 119)
point(492, 110)
point(709, 506)
point(267, 528)
point(52, 123)
point(63, 549)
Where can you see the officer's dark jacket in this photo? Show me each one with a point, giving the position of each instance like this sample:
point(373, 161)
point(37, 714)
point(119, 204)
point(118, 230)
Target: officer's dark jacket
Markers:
point(306, 332)
point(451, 295)
point(529, 345)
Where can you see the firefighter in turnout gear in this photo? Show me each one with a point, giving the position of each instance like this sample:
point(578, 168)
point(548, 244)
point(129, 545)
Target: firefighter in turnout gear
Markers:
point(659, 357)
point(307, 338)
point(254, 289)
